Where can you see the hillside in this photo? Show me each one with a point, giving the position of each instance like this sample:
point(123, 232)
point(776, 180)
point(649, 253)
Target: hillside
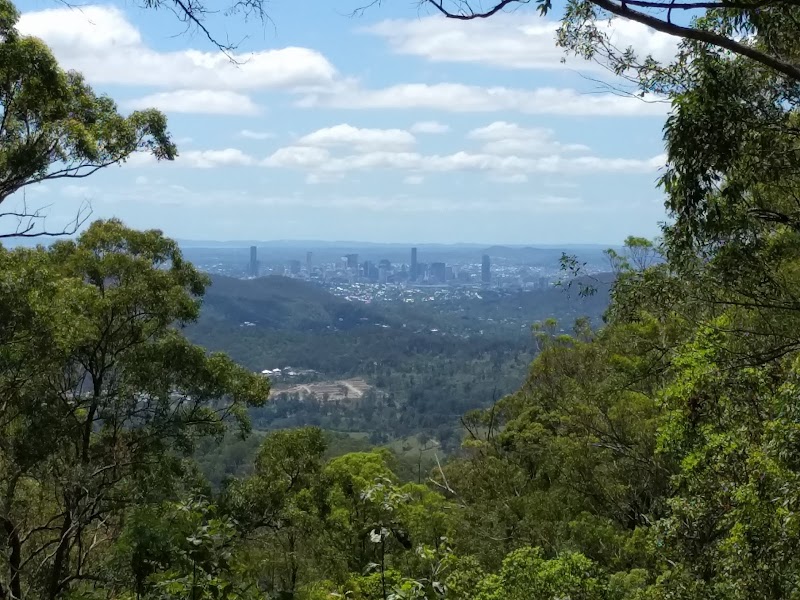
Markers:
point(429, 362)
point(281, 303)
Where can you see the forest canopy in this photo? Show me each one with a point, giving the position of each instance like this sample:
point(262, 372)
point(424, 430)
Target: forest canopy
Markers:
point(655, 457)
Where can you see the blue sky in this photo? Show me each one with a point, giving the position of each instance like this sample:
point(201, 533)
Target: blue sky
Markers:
point(395, 126)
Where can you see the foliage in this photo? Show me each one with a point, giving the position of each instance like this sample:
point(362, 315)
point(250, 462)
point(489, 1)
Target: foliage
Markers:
point(101, 396)
point(429, 365)
point(54, 126)
point(653, 459)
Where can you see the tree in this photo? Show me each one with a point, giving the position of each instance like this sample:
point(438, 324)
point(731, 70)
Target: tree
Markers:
point(199, 554)
point(54, 126)
point(100, 397)
point(279, 507)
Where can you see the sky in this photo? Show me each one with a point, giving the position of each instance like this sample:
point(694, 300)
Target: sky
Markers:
point(394, 126)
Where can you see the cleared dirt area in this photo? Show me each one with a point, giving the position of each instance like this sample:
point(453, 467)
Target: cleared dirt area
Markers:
point(331, 391)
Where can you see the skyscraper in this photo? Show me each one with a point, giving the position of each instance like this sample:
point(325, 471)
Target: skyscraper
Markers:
point(352, 261)
point(438, 272)
point(309, 255)
point(486, 269)
point(253, 267)
point(370, 271)
point(414, 271)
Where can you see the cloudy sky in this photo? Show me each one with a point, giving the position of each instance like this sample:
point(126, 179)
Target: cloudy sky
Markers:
point(394, 126)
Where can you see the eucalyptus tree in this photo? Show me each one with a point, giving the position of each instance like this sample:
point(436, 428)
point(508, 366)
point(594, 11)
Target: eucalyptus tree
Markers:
point(101, 398)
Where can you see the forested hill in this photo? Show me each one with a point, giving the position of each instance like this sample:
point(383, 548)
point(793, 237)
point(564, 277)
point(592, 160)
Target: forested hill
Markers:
point(281, 303)
point(276, 319)
point(428, 362)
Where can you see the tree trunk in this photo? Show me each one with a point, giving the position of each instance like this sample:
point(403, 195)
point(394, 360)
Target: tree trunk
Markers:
point(14, 561)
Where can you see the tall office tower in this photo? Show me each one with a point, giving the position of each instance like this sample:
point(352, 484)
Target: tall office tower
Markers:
point(294, 267)
point(352, 261)
point(414, 271)
point(486, 270)
point(253, 268)
point(367, 269)
point(438, 272)
point(309, 255)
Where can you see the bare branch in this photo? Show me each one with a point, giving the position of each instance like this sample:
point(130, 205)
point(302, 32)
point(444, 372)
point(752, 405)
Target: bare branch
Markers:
point(32, 224)
point(439, 4)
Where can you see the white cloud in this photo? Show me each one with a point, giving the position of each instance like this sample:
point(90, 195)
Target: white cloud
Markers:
point(101, 43)
point(320, 161)
point(362, 140)
point(408, 203)
point(429, 127)
point(317, 178)
point(509, 41)
point(140, 159)
point(561, 184)
point(506, 138)
point(297, 157)
point(513, 178)
point(207, 159)
point(195, 159)
point(256, 135)
point(198, 102)
point(456, 97)
point(413, 179)
point(324, 166)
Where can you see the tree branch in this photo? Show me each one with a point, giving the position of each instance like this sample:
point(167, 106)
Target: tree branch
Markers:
point(32, 224)
point(621, 9)
point(698, 35)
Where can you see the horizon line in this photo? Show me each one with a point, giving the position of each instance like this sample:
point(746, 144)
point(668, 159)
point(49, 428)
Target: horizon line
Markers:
point(245, 243)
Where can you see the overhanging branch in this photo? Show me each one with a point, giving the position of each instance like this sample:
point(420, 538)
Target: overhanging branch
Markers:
point(622, 9)
point(32, 224)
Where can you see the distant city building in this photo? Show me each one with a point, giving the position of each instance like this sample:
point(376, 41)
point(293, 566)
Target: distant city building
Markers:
point(414, 265)
point(486, 269)
point(422, 271)
point(369, 270)
point(253, 267)
point(449, 274)
point(383, 274)
point(352, 261)
point(309, 256)
point(294, 267)
point(438, 272)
